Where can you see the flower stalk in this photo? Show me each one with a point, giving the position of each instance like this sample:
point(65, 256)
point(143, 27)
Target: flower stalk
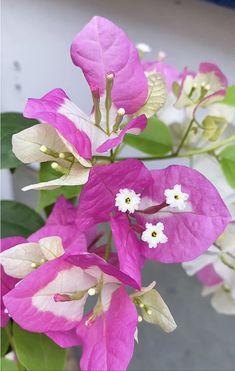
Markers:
point(108, 99)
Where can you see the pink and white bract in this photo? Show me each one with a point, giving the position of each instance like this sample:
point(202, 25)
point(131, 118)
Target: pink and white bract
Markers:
point(118, 83)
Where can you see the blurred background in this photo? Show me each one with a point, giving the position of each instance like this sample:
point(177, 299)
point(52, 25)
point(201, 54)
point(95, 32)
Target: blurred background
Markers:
point(36, 37)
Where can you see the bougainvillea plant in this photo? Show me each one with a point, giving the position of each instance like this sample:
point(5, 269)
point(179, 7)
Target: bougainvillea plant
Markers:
point(75, 278)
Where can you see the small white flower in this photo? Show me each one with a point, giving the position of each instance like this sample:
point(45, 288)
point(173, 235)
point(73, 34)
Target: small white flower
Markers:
point(144, 48)
point(154, 235)
point(175, 197)
point(127, 200)
point(161, 56)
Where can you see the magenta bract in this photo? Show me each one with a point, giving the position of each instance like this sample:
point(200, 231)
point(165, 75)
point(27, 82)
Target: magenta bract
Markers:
point(97, 200)
point(108, 343)
point(102, 48)
point(190, 231)
point(61, 223)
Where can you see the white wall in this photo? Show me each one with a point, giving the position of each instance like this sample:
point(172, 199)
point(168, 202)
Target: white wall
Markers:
point(37, 36)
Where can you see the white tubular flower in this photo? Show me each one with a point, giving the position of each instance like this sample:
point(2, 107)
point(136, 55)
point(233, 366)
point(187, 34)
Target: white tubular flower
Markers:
point(154, 235)
point(127, 200)
point(175, 197)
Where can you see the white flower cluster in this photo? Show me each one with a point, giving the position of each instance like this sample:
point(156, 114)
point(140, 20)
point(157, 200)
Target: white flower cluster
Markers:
point(127, 200)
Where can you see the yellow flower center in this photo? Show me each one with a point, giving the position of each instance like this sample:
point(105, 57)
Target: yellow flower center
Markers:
point(127, 200)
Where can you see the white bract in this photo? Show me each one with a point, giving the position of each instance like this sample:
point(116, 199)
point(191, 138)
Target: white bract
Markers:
point(42, 143)
point(221, 256)
point(127, 200)
point(154, 235)
point(157, 94)
point(20, 260)
point(196, 88)
point(153, 308)
point(175, 197)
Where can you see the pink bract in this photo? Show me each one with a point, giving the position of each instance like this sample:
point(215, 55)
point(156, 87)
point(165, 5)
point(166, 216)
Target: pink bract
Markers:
point(97, 199)
point(211, 67)
point(47, 109)
point(19, 301)
point(208, 276)
point(32, 302)
point(87, 260)
point(65, 339)
point(102, 48)
point(190, 232)
point(61, 223)
point(63, 212)
point(108, 343)
point(76, 128)
point(128, 246)
point(135, 126)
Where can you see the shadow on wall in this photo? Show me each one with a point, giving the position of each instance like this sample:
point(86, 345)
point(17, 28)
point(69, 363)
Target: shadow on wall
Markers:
point(227, 3)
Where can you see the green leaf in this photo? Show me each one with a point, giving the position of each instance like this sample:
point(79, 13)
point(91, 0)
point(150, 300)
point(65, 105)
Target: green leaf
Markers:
point(227, 161)
point(4, 342)
point(19, 219)
point(155, 140)
point(7, 365)
point(48, 197)
point(11, 123)
point(36, 351)
point(230, 96)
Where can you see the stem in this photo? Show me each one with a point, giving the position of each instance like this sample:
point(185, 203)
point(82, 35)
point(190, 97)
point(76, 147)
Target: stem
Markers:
point(118, 149)
point(107, 122)
point(186, 154)
point(184, 137)
point(96, 102)
point(209, 149)
point(153, 209)
point(231, 255)
point(108, 100)
point(150, 158)
point(224, 260)
point(108, 246)
point(11, 341)
point(107, 158)
point(112, 158)
point(173, 155)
